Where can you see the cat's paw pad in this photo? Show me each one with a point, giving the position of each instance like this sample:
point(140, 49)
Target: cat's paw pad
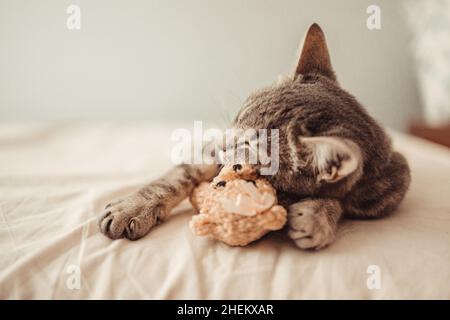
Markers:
point(131, 217)
point(309, 226)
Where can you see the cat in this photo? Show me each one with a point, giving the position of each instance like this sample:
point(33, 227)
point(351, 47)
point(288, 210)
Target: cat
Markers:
point(335, 160)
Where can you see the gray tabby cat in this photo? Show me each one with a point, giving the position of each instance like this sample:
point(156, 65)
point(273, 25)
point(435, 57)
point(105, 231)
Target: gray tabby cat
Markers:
point(335, 160)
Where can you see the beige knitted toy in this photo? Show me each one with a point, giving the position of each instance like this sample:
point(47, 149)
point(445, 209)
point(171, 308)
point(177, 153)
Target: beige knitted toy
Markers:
point(237, 207)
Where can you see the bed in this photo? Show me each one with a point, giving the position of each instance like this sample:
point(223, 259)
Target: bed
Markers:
point(55, 179)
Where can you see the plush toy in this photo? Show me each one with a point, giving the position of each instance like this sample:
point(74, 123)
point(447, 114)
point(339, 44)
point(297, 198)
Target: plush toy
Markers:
point(237, 207)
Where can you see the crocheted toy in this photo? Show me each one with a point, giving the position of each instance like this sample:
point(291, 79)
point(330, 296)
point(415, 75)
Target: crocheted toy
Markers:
point(237, 207)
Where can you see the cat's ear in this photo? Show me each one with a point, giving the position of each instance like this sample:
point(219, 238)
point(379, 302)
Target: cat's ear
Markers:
point(333, 158)
point(314, 56)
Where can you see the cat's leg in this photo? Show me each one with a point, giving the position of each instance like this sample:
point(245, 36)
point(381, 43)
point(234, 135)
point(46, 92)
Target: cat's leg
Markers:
point(313, 222)
point(133, 216)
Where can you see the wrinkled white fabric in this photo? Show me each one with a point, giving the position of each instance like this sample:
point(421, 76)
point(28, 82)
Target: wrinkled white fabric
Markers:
point(55, 180)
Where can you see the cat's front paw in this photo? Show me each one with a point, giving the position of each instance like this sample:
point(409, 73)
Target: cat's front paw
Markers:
point(131, 217)
point(311, 224)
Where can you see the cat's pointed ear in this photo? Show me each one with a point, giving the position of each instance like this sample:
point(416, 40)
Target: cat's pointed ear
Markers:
point(314, 56)
point(333, 158)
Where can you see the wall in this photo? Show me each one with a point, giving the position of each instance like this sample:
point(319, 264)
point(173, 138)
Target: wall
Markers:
point(169, 60)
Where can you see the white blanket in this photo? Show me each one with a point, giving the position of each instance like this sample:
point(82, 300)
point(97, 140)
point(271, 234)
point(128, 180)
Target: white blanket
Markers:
point(55, 180)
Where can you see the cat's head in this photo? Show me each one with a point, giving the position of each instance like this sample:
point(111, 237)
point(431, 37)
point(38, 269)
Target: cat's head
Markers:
point(313, 77)
point(324, 132)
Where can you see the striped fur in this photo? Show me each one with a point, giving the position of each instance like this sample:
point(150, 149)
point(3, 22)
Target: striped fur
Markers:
point(334, 159)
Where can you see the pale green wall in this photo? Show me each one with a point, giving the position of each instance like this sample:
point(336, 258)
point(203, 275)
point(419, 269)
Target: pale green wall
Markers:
point(189, 59)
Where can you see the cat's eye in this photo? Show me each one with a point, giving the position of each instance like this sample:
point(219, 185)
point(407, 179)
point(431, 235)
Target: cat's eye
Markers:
point(237, 167)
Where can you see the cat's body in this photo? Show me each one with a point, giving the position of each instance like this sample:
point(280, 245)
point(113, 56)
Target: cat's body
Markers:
point(334, 159)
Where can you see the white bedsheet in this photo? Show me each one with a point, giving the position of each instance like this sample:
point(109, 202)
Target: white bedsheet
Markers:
point(54, 181)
